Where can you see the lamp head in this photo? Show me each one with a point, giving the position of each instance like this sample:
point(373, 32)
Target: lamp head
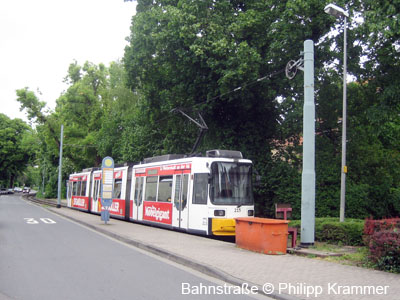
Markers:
point(336, 11)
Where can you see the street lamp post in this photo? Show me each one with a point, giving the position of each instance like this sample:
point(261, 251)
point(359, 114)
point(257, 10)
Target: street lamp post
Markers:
point(60, 168)
point(338, 12)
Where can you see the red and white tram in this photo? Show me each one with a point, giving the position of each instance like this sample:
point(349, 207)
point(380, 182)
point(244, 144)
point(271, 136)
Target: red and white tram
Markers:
point(194, 194)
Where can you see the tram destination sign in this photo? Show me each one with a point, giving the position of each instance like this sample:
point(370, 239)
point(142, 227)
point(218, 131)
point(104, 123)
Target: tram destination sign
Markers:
point(107, 187)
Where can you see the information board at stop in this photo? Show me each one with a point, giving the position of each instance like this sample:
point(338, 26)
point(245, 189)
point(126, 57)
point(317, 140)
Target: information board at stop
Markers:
point(107, 187)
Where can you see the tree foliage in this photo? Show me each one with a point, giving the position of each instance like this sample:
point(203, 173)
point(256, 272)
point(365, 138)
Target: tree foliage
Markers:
point(196, 54)
point(17, 145)
point(92, 110)
point(226, 60)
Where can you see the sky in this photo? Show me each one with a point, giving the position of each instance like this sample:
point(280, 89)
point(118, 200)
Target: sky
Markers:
point(39, 39)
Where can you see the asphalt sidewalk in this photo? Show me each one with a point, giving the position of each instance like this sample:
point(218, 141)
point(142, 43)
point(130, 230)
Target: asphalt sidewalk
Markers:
point(285, 276)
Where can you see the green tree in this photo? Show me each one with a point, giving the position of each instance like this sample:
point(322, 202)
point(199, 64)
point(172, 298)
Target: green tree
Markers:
point(117, 135)
point(195, 55)
point(17, 144)
point(81, 109)
point(97, 111)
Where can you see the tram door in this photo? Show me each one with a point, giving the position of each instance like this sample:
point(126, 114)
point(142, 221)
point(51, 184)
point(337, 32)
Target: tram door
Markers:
point(96, 204)
point(180, 207)
point(136, 199)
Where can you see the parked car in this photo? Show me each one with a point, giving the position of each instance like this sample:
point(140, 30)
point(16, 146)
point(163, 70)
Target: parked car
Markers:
point(10, 191)
point(26, 190)
point(3, 191)
point(17, 189)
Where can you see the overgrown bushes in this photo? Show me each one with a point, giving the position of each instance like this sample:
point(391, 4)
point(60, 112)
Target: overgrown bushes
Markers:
point(384, 248)
point(371, 226)
point(383, 239)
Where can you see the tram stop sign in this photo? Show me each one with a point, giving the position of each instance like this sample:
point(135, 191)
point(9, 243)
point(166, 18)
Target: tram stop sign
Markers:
point(107, 187)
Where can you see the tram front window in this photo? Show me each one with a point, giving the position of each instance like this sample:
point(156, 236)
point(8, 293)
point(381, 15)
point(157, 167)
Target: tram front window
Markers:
point(231, 184)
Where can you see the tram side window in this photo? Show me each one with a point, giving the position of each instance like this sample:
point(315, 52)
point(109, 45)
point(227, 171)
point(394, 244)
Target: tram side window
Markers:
point(74, 188)
point(165, 189)
point(177, 190)
point(151, 188)
point(69, 189)
point(117, 188)
point(83, 186)
point(200, 188)
point(78, 188)
point(138, 190)
point(185, 190)
point(96, 190)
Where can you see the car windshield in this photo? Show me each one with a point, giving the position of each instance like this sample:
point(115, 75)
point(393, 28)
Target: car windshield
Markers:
point(231, 184)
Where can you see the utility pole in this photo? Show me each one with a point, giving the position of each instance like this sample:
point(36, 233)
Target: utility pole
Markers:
point(60, 168)
point(308, 174)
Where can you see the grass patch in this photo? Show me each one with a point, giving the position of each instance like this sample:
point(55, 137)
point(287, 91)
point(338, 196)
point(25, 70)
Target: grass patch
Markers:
point(353, 256)
point(321, 246)
point(358, 258)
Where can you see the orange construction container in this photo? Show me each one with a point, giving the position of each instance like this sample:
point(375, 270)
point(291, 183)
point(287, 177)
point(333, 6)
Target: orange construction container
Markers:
point(267, 236)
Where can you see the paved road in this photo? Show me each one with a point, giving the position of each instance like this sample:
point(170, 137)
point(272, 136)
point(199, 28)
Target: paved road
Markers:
point(44, 256)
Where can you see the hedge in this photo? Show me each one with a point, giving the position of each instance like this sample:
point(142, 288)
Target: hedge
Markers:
point(372, 226)
point(384, 248)
point(383, 240)
point(349, 232)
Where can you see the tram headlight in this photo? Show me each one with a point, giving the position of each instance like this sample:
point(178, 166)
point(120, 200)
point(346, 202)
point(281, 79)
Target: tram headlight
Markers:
point(250, 212)
point(219, 213)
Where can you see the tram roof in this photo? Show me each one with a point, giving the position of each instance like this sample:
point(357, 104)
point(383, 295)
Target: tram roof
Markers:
point(217, 153)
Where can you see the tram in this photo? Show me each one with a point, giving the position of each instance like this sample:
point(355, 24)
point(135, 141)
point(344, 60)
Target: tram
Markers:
point(199, 195)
